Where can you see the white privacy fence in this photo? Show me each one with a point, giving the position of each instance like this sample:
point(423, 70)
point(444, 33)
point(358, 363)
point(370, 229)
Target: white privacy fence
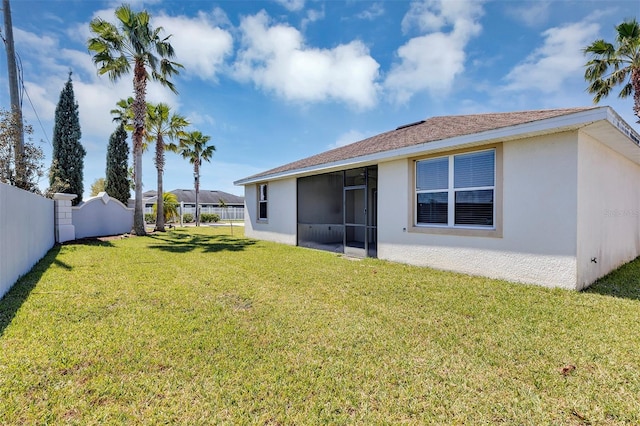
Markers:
point(101, 215)
point(226, 213)
point(27, 232)
point(31, 224)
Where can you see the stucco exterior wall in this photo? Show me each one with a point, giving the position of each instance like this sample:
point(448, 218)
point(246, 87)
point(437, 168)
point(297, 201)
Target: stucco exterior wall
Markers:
point(26, 233)
point(100, 216)
point(281, 212)
point(539, 197)
point(609, 210)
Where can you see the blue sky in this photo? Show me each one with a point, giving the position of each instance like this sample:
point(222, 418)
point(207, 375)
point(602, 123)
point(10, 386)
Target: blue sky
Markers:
point(275, 81)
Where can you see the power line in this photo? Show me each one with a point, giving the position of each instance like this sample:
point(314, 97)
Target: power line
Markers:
point(37, 116)
point(24, 91)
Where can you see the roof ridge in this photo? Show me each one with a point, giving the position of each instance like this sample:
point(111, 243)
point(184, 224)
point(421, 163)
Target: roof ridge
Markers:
point(527, 111)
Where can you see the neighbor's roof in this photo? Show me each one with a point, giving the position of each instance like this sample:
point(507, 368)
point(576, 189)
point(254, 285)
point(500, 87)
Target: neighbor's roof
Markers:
point(206, 196)
point(431, 130)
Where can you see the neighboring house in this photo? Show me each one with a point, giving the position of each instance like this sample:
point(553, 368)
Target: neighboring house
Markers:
point(549, 197)
point(207, 199)
point(209, 202)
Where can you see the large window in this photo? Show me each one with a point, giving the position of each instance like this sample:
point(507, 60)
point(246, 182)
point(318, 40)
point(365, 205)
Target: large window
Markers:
point(262, 201)
point(456, 190)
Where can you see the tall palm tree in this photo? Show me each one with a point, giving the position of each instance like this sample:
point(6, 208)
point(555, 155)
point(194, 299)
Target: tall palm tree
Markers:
point(193, 147)
point(618, 64)
point(162, 124)
point(134, 43)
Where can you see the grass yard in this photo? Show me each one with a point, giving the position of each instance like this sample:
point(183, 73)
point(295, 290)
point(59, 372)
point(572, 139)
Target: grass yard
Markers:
point(199, 327)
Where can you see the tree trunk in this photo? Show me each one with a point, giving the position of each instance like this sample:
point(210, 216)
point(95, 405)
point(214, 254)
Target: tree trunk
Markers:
point(138, 212)
point(635, 83)
point(160, 169)
point(139, 111)
point(160, 205)
point(196, 168)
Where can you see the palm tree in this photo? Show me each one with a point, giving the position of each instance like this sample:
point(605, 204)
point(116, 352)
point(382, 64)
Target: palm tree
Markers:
point(618, 64)
point(161, 124)
point(133, 43)
point(193, 146)
point(123, 113)
point(169, 206)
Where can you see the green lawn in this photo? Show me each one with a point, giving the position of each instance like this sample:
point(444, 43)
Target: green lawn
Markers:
point(196, 326)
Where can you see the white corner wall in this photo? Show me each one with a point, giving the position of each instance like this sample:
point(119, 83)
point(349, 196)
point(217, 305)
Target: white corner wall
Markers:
point(281, 211)
point(26, 233)
point(101, 216)
point(538, 243)
point(609, 210)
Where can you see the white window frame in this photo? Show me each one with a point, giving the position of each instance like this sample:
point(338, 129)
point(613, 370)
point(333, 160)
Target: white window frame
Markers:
point(263, 197)
point(451, 193)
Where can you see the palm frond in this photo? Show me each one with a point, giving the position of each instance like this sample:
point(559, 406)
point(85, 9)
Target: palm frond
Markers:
point(600, 48)
point(613, 65)
point(628, 30)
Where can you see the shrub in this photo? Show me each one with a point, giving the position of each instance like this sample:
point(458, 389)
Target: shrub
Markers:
point(149, 217)
point(187, 217)
point(209, 217)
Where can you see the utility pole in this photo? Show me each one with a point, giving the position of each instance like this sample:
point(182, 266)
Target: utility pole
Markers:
point(16, 108)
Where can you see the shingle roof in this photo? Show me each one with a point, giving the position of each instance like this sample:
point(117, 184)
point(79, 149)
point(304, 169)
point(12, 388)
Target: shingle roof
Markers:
point(206, 196)
point(431, 130)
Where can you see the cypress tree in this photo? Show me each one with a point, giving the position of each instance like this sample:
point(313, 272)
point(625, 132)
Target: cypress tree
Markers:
point(117, 180)
point(66, 171)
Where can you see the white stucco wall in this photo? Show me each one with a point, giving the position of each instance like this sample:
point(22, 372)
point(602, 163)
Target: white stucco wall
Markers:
point(26, 233)
point(281, 212)
point(609, 210)
point(101, 216)
point(538, 243)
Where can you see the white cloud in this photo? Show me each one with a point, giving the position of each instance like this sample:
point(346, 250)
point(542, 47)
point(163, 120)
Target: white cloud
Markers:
point(374, 11)
point(45, 76)
point(35, 47)
point(434, 15)
point(348, 138)
point(197, 118)
point(431, 62)
point(531, 14)
point(276, 59)
point(312, 16)
point(560, 57)
point(200, 45)
point(292, 5)
point(135, 4)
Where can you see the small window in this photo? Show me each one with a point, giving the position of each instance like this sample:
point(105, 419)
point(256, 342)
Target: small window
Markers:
point(456, 190)
point(262, 202)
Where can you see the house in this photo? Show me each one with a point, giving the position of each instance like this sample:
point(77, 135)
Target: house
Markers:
point(208, 200)
point(550, 197)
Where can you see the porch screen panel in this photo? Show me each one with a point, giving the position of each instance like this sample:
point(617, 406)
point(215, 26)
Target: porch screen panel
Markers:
point(320, 214)
point(320, 199)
